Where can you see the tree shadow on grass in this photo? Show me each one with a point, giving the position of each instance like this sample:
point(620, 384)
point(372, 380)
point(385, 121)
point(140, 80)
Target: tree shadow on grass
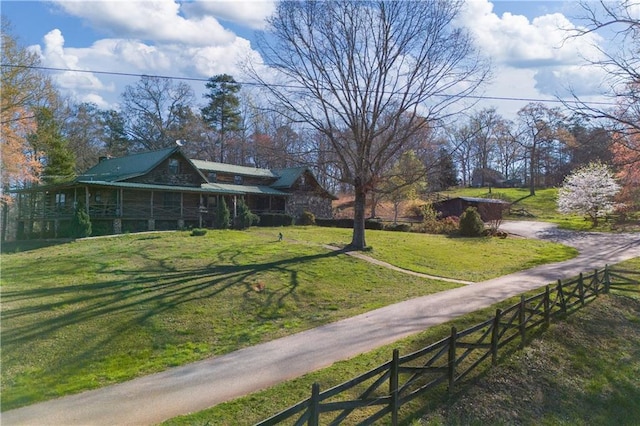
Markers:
point(142, 300)
point(10, 247)
point(162, 290)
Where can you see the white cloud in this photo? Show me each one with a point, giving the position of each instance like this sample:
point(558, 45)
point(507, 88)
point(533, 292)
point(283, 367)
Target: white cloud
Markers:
point(250, 13)
point(516, 41)
point(153, 38)
point(154, 20)
point(541, 45)
point(75, 83)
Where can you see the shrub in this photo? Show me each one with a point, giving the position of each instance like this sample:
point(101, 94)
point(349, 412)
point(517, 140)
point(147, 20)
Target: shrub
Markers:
point(223, 217)
point(471, 225)
point(198, 232)
point(307, 218)
point(415, 209)
point(245, 217)
point(399, 227)
point(275, 219)
point(81, 223)
point(372, 224)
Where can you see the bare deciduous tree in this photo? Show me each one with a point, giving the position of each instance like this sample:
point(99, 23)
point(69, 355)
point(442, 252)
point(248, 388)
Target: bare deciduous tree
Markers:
point(540, 127)
point(356, 71)
point(621, 64)
point(155, 111)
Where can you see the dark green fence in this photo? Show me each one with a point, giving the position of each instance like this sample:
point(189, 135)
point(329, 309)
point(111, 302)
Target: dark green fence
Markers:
point(384, 389)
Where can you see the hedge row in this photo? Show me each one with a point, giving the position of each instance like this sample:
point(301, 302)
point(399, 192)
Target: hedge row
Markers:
point(275, 219)
point(348, 223)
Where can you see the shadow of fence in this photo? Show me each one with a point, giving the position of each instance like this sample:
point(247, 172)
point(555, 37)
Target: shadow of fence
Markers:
point(383, 390)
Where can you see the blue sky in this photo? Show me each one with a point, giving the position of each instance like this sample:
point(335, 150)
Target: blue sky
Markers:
point(198, 39)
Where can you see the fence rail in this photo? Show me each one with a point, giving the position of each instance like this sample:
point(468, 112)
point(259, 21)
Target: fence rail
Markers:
point(384, 389)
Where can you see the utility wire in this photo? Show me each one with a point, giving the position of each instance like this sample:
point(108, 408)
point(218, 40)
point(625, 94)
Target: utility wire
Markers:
point(204, 80)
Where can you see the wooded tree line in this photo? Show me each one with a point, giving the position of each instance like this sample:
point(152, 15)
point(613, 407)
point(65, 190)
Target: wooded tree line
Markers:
point(352, 107)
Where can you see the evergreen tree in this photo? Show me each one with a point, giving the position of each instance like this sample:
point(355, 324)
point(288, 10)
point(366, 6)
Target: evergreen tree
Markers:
point(245, 217)
point(222, 113)
point(81, 222)
point(447, 174)
point(471, 224)
point(59, 160)
point(222, 215)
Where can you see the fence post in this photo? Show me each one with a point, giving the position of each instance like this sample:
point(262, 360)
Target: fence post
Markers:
point(581, 288)
point(547, 313)
point(393, 386)
point(314, 405)
point(563, 303)
point(452, 358)
point(495, 337)
point(607, 279)
point(522, 325)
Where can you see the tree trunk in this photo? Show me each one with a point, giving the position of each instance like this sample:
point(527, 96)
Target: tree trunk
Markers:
point(532, 172)
point(374, 204)
point(358, 240)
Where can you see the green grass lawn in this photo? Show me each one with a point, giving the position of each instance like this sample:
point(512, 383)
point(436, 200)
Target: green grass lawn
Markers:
point(85, 314)
point(542, 206)
point(472, 259)
point(582, 370)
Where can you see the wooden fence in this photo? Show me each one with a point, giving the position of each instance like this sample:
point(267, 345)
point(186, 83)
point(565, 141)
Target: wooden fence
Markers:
point(384, 389)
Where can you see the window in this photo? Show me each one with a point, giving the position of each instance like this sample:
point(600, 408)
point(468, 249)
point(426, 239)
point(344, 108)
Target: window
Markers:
point(61, 199)
point(213, 176)
point(174, 166)
point(98, 197)
point(237, 180)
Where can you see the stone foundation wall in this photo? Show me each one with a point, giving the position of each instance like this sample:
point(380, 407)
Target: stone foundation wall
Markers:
point(300, 202)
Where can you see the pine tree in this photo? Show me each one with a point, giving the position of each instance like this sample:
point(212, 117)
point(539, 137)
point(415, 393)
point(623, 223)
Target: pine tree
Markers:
point(222, 215)
point(245, 218)
point(81, 223)
point(222, 112)
point(59, 160)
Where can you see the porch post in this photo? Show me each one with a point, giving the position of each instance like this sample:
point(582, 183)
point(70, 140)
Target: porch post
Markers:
point(235, 206)
point(200, 207)
point(151, 223)
point(86, 198)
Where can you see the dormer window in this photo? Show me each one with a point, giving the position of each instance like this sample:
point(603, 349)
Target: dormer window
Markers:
point(213, 176)
point(237, 180)
point(174, 166)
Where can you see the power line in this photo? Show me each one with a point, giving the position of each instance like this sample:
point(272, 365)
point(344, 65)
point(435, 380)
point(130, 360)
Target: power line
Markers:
point(204, 80)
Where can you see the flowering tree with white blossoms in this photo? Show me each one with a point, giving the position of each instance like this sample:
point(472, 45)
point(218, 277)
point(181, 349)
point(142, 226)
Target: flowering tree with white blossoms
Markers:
point(589, 190)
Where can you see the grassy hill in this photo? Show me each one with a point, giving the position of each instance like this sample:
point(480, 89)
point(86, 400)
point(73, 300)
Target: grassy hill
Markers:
point(84, 314)
point(583, 370)
point(543, 206)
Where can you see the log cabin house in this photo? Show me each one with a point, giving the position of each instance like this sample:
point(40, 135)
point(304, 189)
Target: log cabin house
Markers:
point(164, 190)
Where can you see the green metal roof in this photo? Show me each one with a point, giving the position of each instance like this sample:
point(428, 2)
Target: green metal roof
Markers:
point(130, 166)
point(210, 166)
point(287, 177)
point(205, 188)
point(246, 189)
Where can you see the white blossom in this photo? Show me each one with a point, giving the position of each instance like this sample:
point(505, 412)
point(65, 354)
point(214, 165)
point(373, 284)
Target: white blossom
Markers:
point(589, 190)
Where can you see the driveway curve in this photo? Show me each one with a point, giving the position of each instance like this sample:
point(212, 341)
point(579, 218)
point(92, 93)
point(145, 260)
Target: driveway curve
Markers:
point(181, 390)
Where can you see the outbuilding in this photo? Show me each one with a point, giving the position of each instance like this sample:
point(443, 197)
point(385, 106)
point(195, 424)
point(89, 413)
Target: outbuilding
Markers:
point(489, 208)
